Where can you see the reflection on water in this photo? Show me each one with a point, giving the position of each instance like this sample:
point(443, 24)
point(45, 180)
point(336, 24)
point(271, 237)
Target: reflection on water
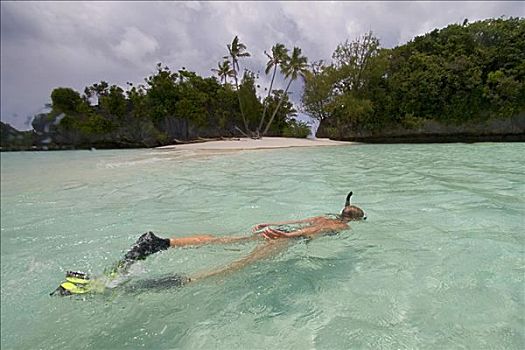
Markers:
point(438, 264)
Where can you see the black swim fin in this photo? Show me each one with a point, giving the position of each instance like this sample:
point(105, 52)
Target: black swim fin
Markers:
point(147, 244)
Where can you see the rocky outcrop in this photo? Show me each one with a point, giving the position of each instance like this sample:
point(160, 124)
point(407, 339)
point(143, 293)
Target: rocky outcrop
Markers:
point(12, 139)
point(505, 130)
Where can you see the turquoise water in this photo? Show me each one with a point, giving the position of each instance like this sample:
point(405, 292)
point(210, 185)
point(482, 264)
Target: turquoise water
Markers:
point(439, 264)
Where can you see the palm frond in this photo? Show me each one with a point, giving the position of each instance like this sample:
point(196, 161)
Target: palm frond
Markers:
point(269, 67)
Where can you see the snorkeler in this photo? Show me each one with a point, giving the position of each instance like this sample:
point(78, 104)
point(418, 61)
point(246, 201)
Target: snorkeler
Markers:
point(271, 235)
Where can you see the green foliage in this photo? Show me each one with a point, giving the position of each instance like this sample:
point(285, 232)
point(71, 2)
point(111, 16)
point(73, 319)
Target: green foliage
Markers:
point(352, 63)
point(350, 112)
point(170, 105)
point(332, 132)
point(295, 66)
point(138, 102)
point(342, 91)
point(224, 71)
point(224, 108)
point(97, 124)
point(66, 100)
point(114, 102)
point(252, 107)
point(295, 128)
point(285, 112)
point(457, 74)
point(503, 93)
point(410, 122)
point(69, 123)
point(162, 94)
point(451, 75)
point(278, 57)
point(191, 105)
point(237, 50)
point(318, 90)
point(10, 138)
point(97, 90)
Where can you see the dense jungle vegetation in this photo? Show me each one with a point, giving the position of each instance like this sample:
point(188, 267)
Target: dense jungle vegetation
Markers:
point(467, 73)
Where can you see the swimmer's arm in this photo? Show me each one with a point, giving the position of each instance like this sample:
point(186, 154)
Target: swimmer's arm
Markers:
point(263, 225)
point(271, 233)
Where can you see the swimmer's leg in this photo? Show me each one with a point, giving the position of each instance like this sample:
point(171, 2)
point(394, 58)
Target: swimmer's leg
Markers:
point(263, 251)
point(149, 243)
point(199, 240)
point(159, 283)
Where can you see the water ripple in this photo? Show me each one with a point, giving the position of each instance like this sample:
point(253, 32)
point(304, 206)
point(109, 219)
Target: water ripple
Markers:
point(439, 263)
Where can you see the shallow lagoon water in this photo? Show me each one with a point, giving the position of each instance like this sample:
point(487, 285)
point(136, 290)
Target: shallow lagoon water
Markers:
point(440, 262)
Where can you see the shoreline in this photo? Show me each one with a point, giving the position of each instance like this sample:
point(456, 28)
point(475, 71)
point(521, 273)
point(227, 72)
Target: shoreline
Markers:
point(248, 144)
point(243, 144)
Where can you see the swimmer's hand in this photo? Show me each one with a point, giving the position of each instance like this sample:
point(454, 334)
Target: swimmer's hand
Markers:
point(271, 233)
point(259, 227)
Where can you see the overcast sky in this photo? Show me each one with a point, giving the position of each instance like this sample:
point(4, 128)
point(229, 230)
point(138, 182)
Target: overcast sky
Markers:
point(74, 44)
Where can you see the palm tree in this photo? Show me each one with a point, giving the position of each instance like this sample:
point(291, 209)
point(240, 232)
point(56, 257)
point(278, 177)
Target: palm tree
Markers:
point(279, 56)
point(236, 50)
point(296, 66)
point(224, 71)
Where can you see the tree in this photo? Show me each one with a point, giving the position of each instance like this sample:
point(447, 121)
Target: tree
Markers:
point(352, 60)
point(136, 96)
point(296, 128)
point(251, 104)
point(317, 91)
point(162, 94)
point(278, 57)
point(224, 71)
point(65, 100)
point(236, 50)
point(114, 102)
point(285, 113)
point(296, 66)
point(349, 112)
point(96, 90)
point(502, 90)
point(191, 105)
point(139, 128)
point(355, 80)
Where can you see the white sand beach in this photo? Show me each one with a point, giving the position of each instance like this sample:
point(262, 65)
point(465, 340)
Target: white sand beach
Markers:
point(251, 144)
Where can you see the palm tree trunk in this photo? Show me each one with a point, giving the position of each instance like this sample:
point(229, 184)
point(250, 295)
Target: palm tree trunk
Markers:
point(240, 103)
point(277, 108)
point(266, 102)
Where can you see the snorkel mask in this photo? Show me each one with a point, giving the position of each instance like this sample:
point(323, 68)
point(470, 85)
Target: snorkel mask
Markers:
point(352, 212)
point(76, 283)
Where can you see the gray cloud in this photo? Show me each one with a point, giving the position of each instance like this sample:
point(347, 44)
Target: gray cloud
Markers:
point(49, 44)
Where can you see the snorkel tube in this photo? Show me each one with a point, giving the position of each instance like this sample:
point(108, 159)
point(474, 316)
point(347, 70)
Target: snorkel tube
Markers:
point(348, 199)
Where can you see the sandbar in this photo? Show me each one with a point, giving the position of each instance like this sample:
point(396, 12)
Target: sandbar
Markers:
point(255, 144)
